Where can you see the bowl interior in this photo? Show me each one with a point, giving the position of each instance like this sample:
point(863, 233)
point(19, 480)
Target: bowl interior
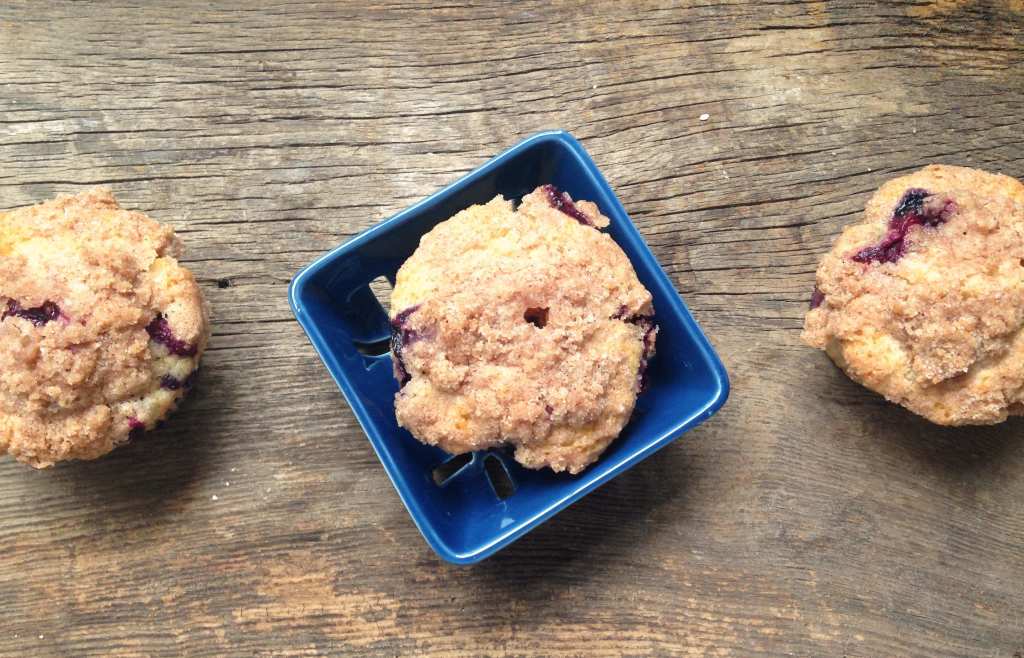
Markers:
point(466, 517)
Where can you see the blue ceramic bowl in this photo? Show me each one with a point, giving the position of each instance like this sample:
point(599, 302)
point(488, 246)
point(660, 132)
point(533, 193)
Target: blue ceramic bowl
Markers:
point(469, 515)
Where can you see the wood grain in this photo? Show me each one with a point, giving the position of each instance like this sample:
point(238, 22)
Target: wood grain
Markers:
point(809, 518)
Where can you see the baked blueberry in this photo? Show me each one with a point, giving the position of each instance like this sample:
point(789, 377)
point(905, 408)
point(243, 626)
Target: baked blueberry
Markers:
point(912, 210)
point(401, 335)
point(562, 202)
point(39, 315)
point(160, 331)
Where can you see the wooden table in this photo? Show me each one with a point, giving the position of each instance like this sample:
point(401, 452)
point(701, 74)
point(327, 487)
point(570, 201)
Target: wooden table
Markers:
point(808, 518)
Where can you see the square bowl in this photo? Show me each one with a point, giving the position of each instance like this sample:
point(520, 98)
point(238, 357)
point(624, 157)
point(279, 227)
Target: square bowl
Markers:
point(468, 507)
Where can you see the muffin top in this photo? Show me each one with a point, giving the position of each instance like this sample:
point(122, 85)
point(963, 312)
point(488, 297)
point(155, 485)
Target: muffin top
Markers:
point(527, 327)
point(100, 327)
point(923, 301)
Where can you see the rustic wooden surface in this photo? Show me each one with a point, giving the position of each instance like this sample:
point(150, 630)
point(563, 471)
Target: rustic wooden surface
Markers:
point(807, 518)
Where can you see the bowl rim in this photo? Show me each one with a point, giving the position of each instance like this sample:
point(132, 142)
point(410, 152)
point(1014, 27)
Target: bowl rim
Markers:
point(718, 397)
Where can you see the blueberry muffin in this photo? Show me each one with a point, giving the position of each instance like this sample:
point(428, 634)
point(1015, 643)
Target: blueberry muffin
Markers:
point(923, 301)
point(101, 330)
point(525, 327)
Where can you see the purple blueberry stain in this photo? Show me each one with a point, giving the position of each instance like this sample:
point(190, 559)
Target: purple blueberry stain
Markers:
point(650, 337)
point(817, 298)
point(559, 200)
point(650, 328)
point(135, 427)
point(402, 335)
point(172, 383)
point(160, 331)
point(37, 315)
point(912, 210)
point(639, 319)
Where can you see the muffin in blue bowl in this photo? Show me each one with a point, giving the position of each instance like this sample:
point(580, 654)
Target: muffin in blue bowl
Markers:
point(470, 505)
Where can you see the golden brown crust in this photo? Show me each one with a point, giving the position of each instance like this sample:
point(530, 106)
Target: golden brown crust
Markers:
point(482, 374)
point(74, 385)
point(938, 330)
